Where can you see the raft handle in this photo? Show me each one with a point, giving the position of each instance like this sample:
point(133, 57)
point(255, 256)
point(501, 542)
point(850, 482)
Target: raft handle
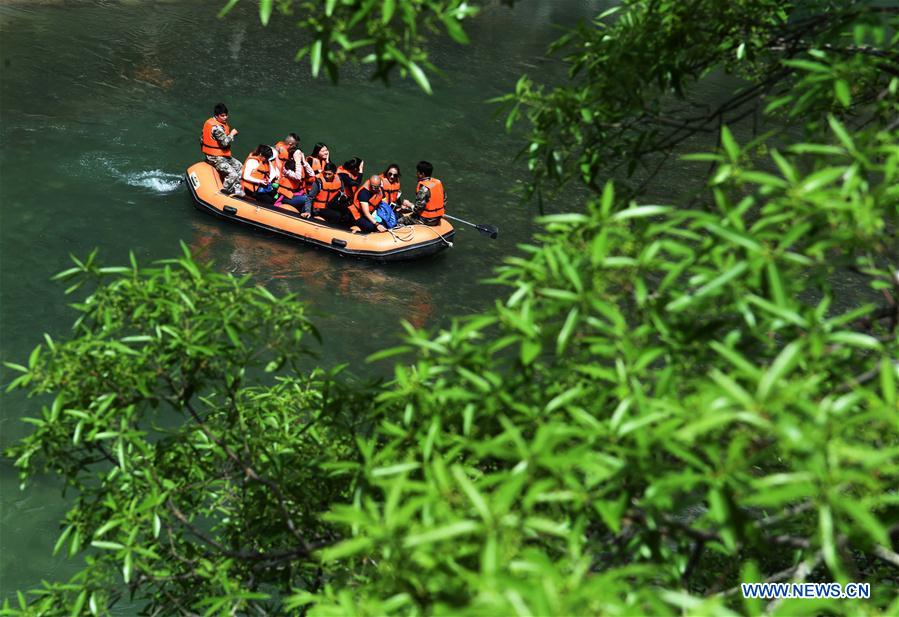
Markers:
point(338, 242)
point(230, 210)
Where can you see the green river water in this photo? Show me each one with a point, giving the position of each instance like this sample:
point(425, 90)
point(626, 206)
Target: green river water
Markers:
point(101, 104)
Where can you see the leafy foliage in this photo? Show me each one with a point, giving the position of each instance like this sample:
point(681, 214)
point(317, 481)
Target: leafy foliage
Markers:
point(633, 95)
point(672, 399)
point(193, 437)
point(389, 35)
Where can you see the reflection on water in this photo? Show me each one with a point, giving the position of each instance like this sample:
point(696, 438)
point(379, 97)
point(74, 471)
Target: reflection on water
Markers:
point(320, 278)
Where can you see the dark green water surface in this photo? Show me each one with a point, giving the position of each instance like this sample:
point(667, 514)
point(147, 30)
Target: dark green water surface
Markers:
point(101, 104)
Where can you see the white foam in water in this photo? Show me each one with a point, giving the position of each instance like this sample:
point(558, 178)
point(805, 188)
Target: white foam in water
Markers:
point(157, 180)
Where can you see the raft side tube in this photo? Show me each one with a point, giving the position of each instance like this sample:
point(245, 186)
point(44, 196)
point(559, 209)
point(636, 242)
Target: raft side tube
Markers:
point(411, 242)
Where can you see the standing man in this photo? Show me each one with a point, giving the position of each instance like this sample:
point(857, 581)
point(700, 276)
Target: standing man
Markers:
point(215, 143)
point(430, 199)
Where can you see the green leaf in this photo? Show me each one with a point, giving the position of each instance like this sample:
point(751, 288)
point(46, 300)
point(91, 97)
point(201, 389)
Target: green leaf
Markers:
point(828, 543)
point(567, 330)
point(730, 145)
point(567, 217)
point(454, 29)
point(227, 8)
point(840, 131)
point(387, 8)
point(808, 65)
point(420, 78)
point(785, 361)
point(472, 493)
point(866, 520)
point(79, 603)
point(62, 538)
point(854, 339)
point(841, 90)
point(720, 281)
point(564, 398)
point(393, 470)
point(888, 381)
point(453, 530)
point(530, 349)
point(265, 10)
point(636, 212)
point(315, 57)
point(347, 548)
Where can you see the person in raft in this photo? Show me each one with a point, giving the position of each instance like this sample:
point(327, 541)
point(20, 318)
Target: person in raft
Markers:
point(296, 186)
point(260, 174)
point(365, 204)
point(326, 197)
point(390, 185)
point(292, 185)
point(430, 199)
point(350, 173)
point(319, 157)
point(283, 147)
point(215, 143)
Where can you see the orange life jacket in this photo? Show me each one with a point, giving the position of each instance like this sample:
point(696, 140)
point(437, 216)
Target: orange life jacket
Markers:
point(316, 164)
point(208, 144)
point(390, 189)
point(328, 191)
point(353, 185)
point(434, 207)
point(317, 167)
point(260, 173)
point(374, 200)
point(288, 186)
point(283, 154)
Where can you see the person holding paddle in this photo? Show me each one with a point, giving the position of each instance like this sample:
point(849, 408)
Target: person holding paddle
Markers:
point(430, 199)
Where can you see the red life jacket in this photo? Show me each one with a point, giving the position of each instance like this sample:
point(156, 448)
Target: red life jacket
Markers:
point(434, 208)
point(260, 173)
point(373, 201)
point(390, 189)
point(328, 191)
point(208, 144)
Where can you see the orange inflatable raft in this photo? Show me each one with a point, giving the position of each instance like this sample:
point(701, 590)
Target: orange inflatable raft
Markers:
point(402, 243)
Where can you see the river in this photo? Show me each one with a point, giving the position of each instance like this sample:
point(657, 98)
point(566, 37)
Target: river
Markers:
point(101, 105)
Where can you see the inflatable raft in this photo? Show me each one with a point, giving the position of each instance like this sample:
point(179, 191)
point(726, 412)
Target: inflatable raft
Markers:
point(403, 243)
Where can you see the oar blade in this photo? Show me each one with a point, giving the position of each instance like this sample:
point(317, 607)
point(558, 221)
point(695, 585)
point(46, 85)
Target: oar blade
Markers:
point(489, 230)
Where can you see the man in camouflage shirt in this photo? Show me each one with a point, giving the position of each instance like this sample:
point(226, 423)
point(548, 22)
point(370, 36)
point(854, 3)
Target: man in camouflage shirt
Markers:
point(414, 211)
point(215, 142)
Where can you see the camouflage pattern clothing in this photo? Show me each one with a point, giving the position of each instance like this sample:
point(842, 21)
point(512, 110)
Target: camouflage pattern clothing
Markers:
point(421, 200)
point(228, 166)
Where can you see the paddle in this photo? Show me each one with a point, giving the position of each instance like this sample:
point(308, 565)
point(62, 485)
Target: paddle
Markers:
point(489, 230)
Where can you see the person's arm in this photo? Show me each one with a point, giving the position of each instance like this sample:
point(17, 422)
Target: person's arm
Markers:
point(249, 168)
point(291, 173)
point(306, 166)
point(313, 190)
point(224, 139)
point(367, 213)
point(421, 200)
point(310, 197)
